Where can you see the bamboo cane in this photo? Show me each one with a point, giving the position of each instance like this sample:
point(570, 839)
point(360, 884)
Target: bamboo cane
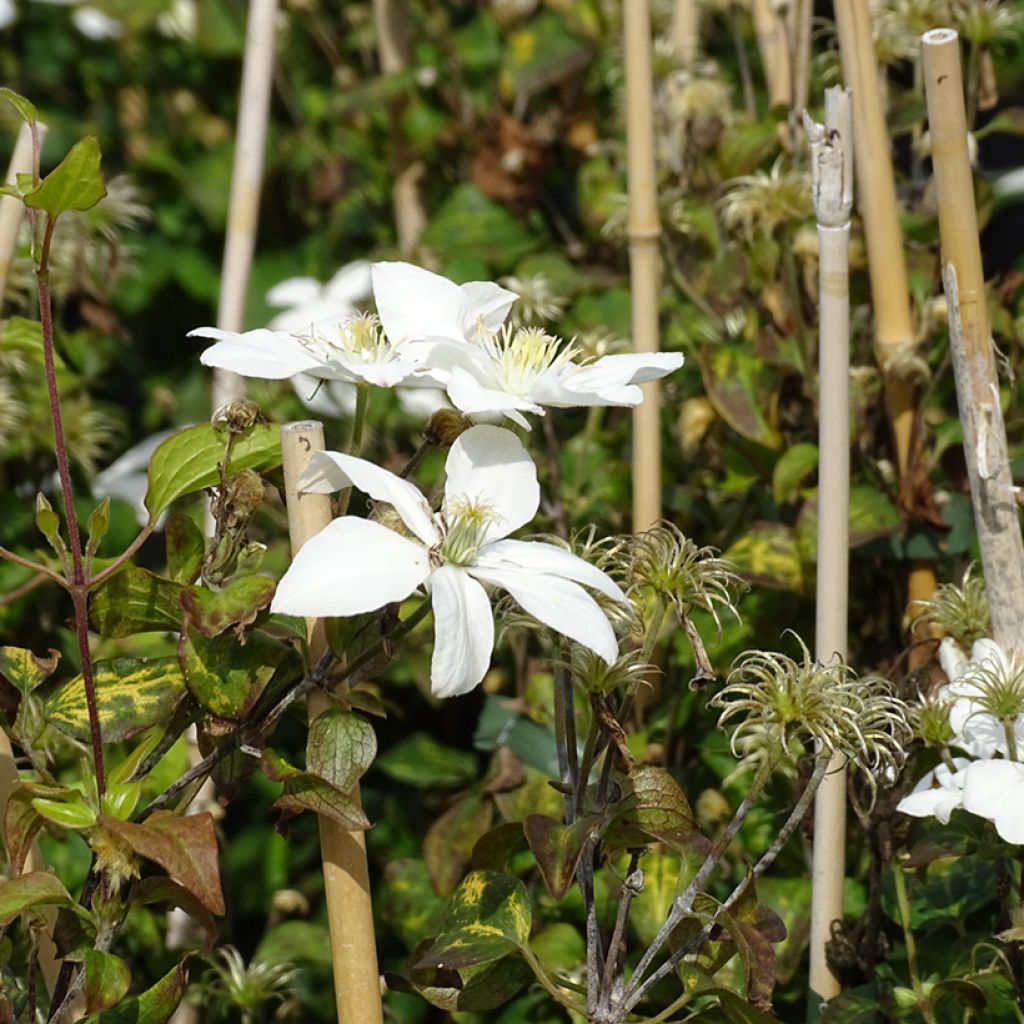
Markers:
point(684, 31)
point(346, 874)
point(894, 329)
point(988, 466)
point(832, 175)
point(246, 181)
point(773, 43)
point(393, 50)
point(644, 230)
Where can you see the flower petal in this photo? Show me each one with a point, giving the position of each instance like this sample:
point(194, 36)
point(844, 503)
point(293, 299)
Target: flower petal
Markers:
point(414, 303)
point(988, 651)
point(352, 283)
point(463, 632)
point(351, 566)
point(951, 658)
point(334, 398)
point(995, 790)
point(489, 466)
point(536, 556)
point(616, 371)
point(469, 395)
point(487, 302)
point(559, 603)
point(332, 471)
point(296, 291)
point(272, 355)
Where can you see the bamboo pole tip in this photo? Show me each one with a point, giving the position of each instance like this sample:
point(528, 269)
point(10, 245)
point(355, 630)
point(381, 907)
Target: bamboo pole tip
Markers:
point(939, 36)
point(301, 426)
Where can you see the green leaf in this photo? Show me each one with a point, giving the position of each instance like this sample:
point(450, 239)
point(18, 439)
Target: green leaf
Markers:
point(23, 106)
point(449, 842)
point(76, 183)
point(769, 555)
point(487, 918)
point(410, 904)
point(649, 909)
point(165, 892)
point(214, 611)
point(36, 889)
point(340, 748)
point(794, 466)
point(135, 601)
point(67, 814)
point(557, 848)
point(744, 389)
point(474, 989)
point(186, 546)
point(48, 524)
point(22, 823)
point(420, 760)
point(559, 947)
point(654, 807)
point(185, 846)
point(131, 695)
point(106, 980)
point(25, 670)
point(188, 461)
point(155, 1006)
point(304, 791)
point(226, 678)
point(99, 523)
point(872, 515)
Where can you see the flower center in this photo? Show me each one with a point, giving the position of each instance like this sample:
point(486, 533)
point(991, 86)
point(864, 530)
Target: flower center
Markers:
point(467, 523)
point(359, 338)
point(525, 353)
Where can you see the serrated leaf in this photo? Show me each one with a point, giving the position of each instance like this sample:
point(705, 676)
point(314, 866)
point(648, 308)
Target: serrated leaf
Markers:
point(25, 670)
point(187, 462)
point(557, 848)
point(227, 678)
point(155, 1006)
point(186, 546)
point(165, 892)
point(451, 838)
point(304, 791)
point(340, 748)
point(106, 980)
point(420, 760)
point(132, 694)
point(76, 183)
point(135, 601)
point(36, 889)
point(185, 846)
point(25, 107)
point(74, 815)
point(22, 823)
point(213, 611)
point(794, 466)
point(487, 917)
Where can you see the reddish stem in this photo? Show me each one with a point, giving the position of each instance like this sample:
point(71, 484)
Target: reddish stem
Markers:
point(78, 588)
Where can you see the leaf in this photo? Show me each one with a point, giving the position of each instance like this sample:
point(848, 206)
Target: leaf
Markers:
point(135, 601)
point(106, 980)
point(76, 183)
point(560, 947)
point(739, 1011)
point(23, 106)
point(25, 670)
point(653, 806)
point(48, 524)
point(227, 678)
point(661, 884)
point(36, 889)
point(73, 937)
point(132, 694)
point(188, 461)
point(185, 846)
point(67, 814)
point(99, 524)
point(165, 892)
point(186, 546)
point(493, 850)
point(22, 823)
point(420, 760)
point(450, 840)
point(872, 515)
point(794, 466)
point(769, 555)
point(340, 748)
point(474, 989)
point(155, 1006)
point(744, 389)
point(487, 918)
point(304, 791)
point(410, 904)
point(213, 611)
point(557, 848)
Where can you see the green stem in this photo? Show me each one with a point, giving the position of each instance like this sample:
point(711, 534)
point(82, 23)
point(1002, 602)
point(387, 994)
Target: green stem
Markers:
point(354, 444)
point(911, 946)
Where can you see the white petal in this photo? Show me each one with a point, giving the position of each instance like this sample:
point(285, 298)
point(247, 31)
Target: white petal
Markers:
point(559, 603)
point(272, 355)
point(351, 566)
point(988, 651)
point(463, 632)
point(331, 471)
point(414, 303)
point(296, 291)
point(951, 658)
point(470, 396)
point(487, 302)
point(930, 803)
point(991, 787)
point(334, 398)
point(615, 371)
point(536, 556)
point(352, 283)
point(489, 466)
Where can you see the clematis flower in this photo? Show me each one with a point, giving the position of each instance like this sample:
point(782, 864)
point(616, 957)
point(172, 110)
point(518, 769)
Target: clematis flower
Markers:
point(358, 565)
point(994, 789)
point(304, 301)
point(938, 793)
point(492, 368)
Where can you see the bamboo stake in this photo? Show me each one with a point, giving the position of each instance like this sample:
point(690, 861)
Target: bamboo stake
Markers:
point(393, 50)
point(773, 44)
point(684, 31)
point(981, 417)
point(246, 181)
point(894, 329)
point(832, 175)
point(800, 46)
point(644, 230)
point(346, 874)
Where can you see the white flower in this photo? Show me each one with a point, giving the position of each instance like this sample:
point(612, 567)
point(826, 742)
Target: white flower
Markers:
point(995, 790)
point(8, 13)
point(304, 301)
point(127, 476)
point(938, 794)
point(94, 24)
point(493, 368)
point(357, 565)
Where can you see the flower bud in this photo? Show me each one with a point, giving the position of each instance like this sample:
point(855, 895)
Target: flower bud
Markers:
point(238, 416)
point(445, 426)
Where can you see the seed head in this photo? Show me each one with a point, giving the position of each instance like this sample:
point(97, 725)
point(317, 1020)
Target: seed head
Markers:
point(959, 611)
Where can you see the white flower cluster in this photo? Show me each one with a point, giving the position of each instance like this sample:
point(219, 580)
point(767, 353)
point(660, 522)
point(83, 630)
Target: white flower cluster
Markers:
point(986, 716)
point(429, 333)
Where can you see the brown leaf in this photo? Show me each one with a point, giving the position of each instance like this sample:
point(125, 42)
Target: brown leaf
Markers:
point(184, 846)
